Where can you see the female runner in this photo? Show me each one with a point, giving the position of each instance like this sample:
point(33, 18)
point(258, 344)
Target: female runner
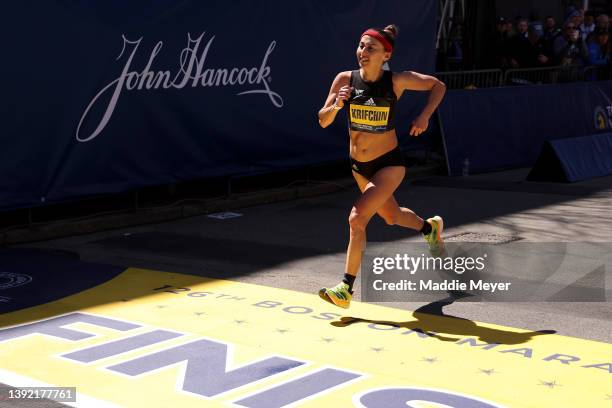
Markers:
point(370, 94)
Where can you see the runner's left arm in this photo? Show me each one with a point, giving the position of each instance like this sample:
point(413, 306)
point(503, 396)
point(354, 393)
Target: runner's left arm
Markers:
point(414, 81)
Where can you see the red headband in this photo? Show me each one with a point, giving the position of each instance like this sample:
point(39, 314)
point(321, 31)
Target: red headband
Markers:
point(373, 33)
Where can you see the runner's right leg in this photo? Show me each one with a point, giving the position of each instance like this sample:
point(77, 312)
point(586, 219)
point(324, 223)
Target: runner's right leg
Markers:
point(375, 193)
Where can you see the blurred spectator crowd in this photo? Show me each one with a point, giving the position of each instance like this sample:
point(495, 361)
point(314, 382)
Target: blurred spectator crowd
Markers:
point(583, 39)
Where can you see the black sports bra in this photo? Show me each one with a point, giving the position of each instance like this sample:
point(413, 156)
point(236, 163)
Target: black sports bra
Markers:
point(372, 104)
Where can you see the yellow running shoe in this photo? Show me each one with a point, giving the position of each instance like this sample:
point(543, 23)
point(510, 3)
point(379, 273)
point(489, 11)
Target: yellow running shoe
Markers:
point(339, 295)
point(434, 238)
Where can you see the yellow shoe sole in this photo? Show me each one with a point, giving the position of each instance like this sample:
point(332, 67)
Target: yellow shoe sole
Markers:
point(323, 294)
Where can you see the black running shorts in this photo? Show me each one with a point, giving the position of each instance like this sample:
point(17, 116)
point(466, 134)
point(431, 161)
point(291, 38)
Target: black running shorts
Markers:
point(368, 169)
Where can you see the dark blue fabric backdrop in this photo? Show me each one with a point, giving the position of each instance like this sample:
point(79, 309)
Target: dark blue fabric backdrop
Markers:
point(500, 128)
point(586, 157)
point(61, 55)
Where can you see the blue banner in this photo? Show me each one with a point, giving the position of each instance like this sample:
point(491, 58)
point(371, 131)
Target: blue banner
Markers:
point(586, 157)
point(108, 96)
point(500, 128)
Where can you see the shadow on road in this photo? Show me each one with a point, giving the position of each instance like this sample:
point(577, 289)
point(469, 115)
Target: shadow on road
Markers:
point(431, 321)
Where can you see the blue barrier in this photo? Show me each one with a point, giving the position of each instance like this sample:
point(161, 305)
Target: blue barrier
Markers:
point(574, 159)
point(108, 96)
point(500, 128)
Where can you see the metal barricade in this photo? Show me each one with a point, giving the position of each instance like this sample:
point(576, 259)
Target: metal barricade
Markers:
point(547, 75)
point(484, 78)
point(597, 73)
point(488, 78)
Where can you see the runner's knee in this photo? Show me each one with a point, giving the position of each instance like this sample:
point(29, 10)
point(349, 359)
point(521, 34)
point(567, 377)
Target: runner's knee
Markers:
point(357, 221)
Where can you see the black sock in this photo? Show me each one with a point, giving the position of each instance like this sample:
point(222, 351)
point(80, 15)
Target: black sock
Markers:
point(349, 280)
point(426, 230)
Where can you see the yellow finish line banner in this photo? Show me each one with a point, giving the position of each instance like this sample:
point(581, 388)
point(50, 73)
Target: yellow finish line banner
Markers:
point(157, 339)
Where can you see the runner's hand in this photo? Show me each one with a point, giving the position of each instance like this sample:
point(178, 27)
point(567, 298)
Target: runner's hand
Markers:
point(419, 125)
point(343, 94)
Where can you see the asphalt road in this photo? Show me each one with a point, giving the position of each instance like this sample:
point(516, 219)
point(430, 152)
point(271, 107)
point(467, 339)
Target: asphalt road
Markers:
point(300, 245)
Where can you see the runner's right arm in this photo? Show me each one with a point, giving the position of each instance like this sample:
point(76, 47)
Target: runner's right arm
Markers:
point(338, 93)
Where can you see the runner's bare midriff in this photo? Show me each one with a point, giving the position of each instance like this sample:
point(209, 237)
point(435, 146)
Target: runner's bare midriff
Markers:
point(368, 146)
